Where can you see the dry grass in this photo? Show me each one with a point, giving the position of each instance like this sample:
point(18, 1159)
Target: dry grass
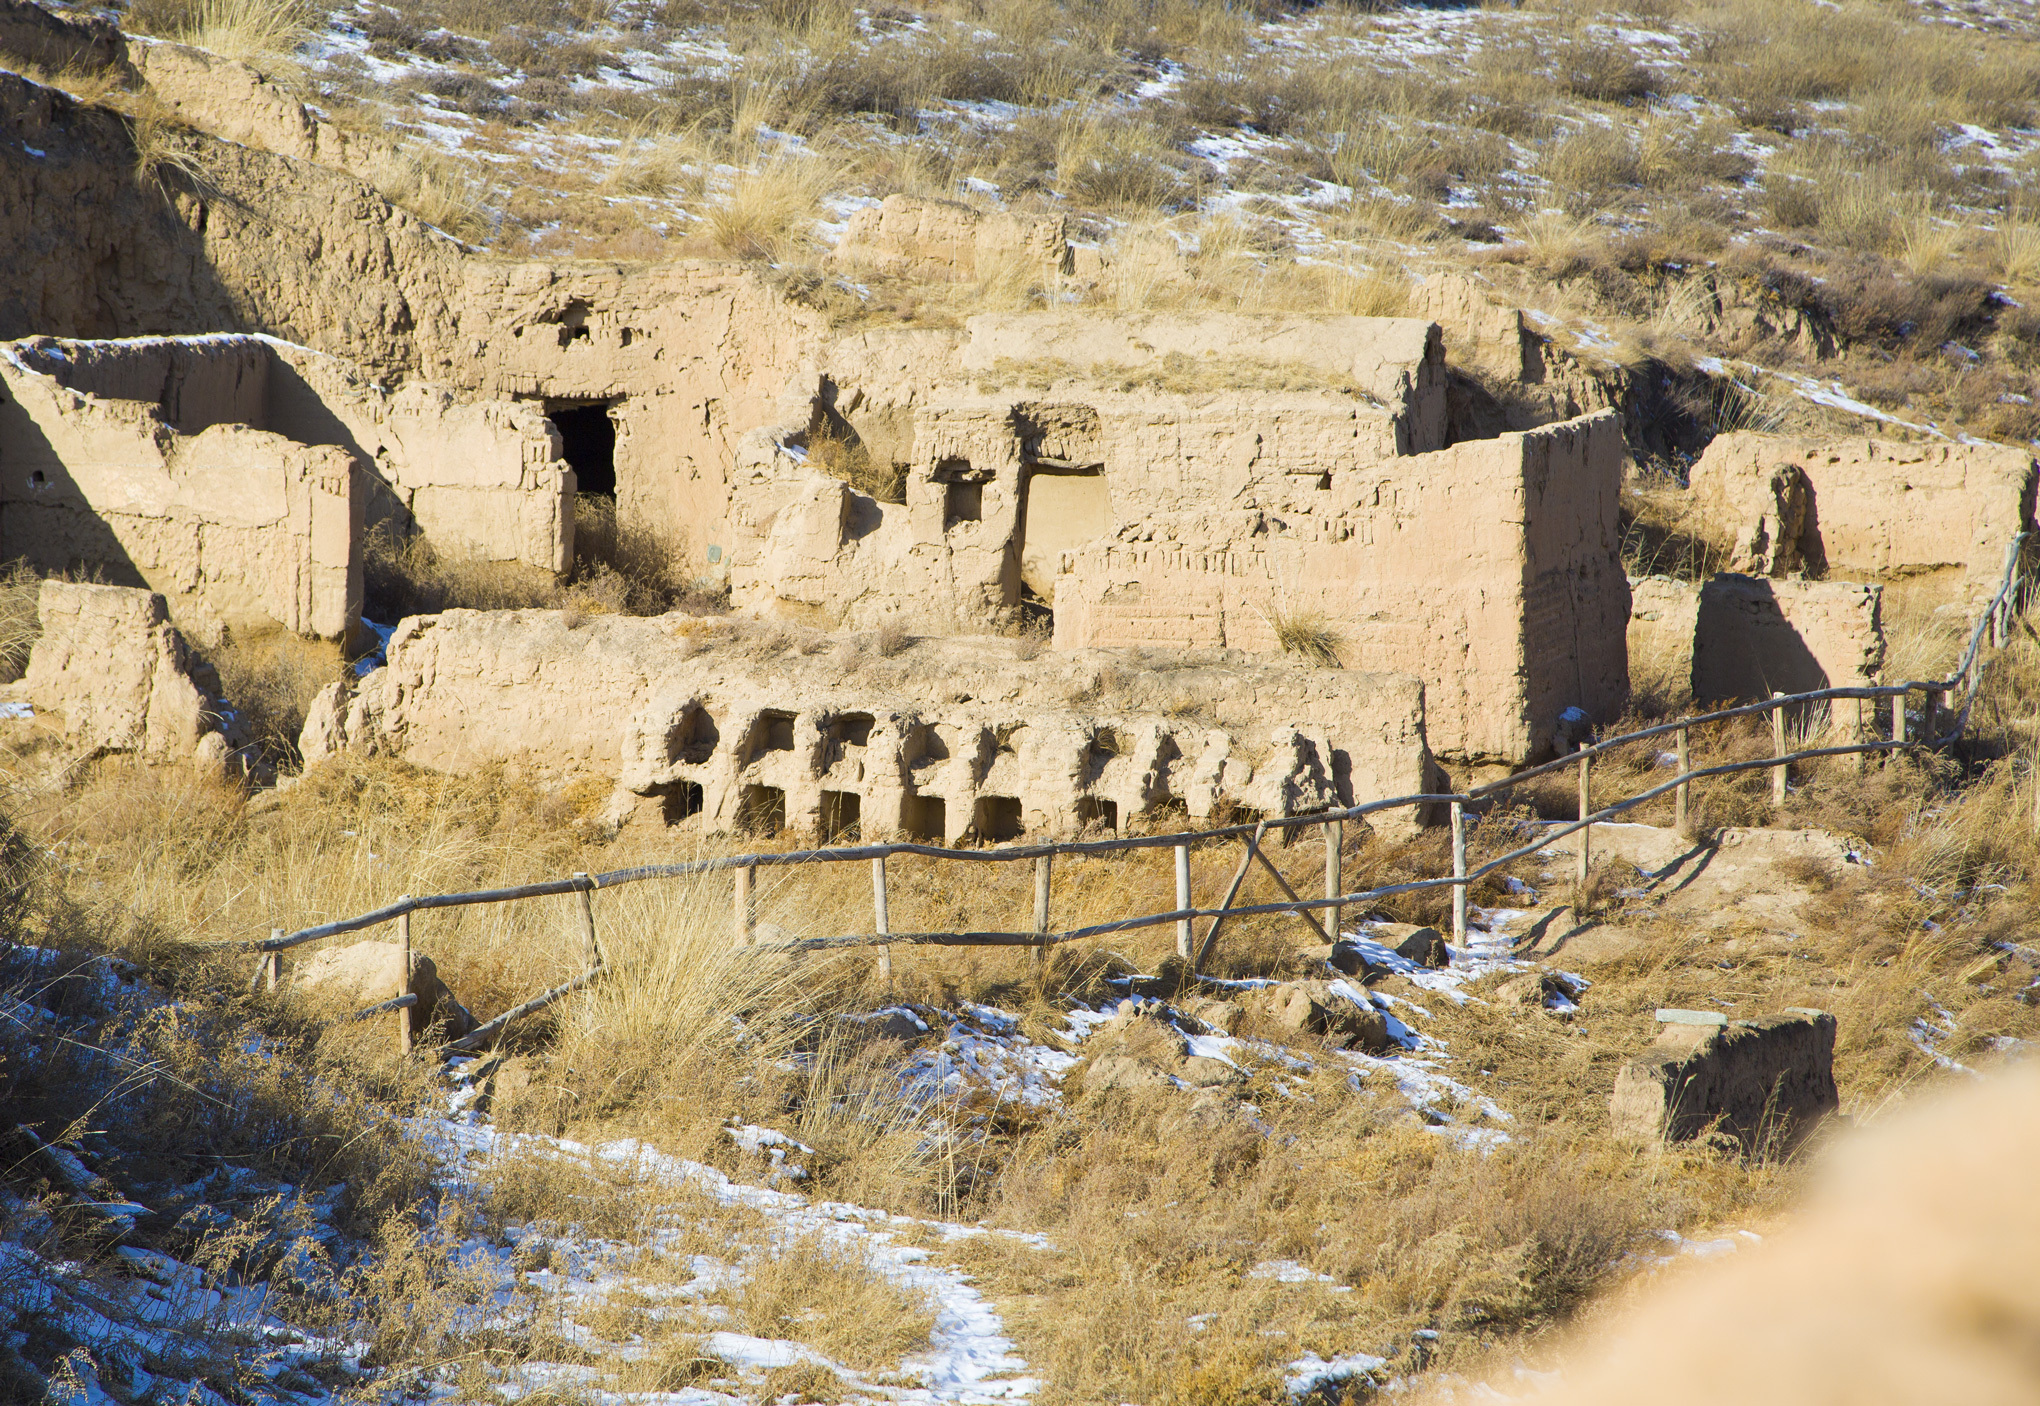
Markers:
point(769, 212)
point(270, 680)
point(439, 189)
point(20, 585)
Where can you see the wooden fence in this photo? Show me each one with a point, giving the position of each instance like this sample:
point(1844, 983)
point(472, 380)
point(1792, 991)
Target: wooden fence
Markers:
point(1939, 725)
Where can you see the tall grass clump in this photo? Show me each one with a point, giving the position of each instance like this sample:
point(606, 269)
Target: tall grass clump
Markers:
point(259, 32)
point(768, 212)
point(438, 189)
point(270, 679)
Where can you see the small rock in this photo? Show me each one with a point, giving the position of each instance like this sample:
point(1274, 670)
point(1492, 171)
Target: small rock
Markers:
point(1426, 947)
point(364, 973)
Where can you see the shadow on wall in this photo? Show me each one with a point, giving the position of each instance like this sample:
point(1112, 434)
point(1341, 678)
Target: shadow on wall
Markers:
point(1745, 647)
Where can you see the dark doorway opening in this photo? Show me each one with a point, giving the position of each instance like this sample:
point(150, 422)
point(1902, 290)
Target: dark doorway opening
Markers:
point(761, 810)
point(841, 811)
point(588, 438)
point(924, 818)
point(678, 800)
point(1096, 814)
point(998, 818)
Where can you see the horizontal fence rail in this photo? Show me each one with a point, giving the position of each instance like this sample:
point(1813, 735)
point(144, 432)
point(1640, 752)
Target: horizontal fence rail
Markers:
point(1994, 625)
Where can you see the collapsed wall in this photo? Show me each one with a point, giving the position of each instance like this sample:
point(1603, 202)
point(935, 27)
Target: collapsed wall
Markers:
point(1754, 637)
point(240, 527)
point(238, 474)
point(951, 739)
point(1873, 507)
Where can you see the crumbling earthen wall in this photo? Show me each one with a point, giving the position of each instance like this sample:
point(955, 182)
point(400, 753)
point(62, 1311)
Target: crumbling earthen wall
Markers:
point(113, 672)
point(948, 739)
point(1755, 637)
point(1492, 570)
point(1867, 506)
point(907, 236)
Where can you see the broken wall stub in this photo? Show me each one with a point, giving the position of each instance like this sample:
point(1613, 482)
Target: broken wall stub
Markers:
point(1870, 506)
point(119, 675)
point(1395, 363)
point(1765, 1083)
point(952, 739)
point(941, 240)
point(1663, 616)
point(1755, 637)
point(1492, 570)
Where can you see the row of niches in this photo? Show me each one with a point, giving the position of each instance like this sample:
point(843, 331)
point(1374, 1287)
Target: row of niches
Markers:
point(831, 744)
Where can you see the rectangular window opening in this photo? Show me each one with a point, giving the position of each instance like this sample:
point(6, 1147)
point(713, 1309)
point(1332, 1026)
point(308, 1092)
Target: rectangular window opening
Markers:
point(962, 502)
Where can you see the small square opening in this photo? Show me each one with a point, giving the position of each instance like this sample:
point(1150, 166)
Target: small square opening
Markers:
point(1094, 813)
point(997, 818)
point(678, 800)
point(962, 502)
point(840, 813)
point(761, 810)
point(924, 818)
point(771, 732)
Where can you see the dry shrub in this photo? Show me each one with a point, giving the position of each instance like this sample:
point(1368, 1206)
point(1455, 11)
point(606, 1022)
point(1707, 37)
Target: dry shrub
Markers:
point(844, 456)
point(891, 639)
point(20, 585)
point(405, 575)
point(270, 679)
point(825, 1292)
point(1592, 160)
point(2015, 248)
point(1116, 162)
point(627, 566)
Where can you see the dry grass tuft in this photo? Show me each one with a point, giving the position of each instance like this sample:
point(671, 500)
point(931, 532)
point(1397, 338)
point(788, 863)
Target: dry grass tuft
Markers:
point(823, 1292)
point(20, 585)
point(1309, 634)
point(265, 33)
point(768, 212)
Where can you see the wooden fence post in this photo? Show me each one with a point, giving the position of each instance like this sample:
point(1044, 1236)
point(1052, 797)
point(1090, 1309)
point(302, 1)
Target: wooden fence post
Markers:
point(1778, 750)
point(1682, 799)
point(1586, 809)
point(1862, 734)
point(745, 914)
point(1930, 722)
point(404, 979)
point(1335, 839)
point(272, 964)
point(1041, 876)
point(1898, 719)
point(882, 923)
point(1459, 872)
point(591, 951)
point(1184, 947)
